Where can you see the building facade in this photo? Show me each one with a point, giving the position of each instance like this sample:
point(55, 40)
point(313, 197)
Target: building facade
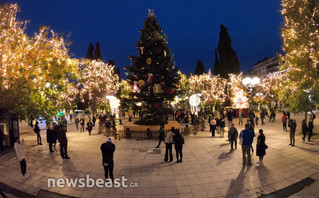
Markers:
point(266, 66)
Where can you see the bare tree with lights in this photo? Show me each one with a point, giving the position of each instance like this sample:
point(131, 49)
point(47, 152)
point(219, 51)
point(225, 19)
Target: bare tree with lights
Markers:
point(301, 61)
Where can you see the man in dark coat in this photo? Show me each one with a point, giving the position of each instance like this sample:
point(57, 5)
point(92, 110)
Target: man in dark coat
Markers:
point(108, 149)
point(233, 135)
point(51, 136)
point(37, 131)
point(293, 125)
point(178, 141)
point(161, 136)
point(89, 126)
point(310, 129)
point(82, 122)
point(61, 135)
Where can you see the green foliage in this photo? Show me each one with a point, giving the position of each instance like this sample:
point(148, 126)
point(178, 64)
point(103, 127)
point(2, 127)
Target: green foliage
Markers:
point(300, 62)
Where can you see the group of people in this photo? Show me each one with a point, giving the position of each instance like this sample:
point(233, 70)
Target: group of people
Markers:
point(173, 137)
point(89, 125)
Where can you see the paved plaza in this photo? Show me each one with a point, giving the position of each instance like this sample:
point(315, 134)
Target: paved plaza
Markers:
point(208, 169)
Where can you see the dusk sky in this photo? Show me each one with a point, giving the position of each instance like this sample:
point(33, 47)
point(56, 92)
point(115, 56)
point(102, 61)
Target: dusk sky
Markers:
point(192, 27)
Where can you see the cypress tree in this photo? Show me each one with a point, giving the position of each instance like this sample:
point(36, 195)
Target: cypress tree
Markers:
point(89, 54)
point(97, 53)
point(228, 61)
point(200, 68)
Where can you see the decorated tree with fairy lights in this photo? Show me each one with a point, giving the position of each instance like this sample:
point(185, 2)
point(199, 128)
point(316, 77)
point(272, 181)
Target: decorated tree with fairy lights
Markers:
point(211, 88)
point(152, 74)
point(34, 71)
point(300, 34)
point(97, 81)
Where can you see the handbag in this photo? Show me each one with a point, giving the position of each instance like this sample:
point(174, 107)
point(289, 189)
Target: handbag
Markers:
point(266, 147)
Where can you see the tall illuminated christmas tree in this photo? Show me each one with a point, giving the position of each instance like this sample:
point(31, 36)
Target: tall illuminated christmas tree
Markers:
point(152, 74)
point(300, 34)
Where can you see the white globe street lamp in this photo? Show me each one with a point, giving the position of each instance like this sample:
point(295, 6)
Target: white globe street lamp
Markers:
point(250, 83)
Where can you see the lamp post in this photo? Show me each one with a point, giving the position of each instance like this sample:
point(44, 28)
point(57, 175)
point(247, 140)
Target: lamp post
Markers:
point(250, 83)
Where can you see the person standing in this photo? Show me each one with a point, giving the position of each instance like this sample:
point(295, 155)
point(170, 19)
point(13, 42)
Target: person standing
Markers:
point(19, 147)
point(304, 129)
point(169, 141)
point(240, 117)
point(37, 131)
point(284, 121)
point(77, 122)
point(89, 126)
point(233, 135)
point(50, 136)
point(213, 126)
point(262, 117)
point(82, 122)
point(178, 141)
point(310, 129)
point(222, 126)
point(61, 135)
point(293, 126)
point(108, 149)
point(248, 137)
point(94, 120)
point(261, 146)
point(161, 135)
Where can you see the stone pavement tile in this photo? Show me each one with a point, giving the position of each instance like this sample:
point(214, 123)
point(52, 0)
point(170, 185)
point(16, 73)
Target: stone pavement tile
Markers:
point(89, 193)
point(71, 192)
point(221, 184)
point(183, 189)
point(184, 195)
point(200, 195)
point(197, 188)
point(214, 193)
point(209, 186)
point(182, 182)
point(170, 190)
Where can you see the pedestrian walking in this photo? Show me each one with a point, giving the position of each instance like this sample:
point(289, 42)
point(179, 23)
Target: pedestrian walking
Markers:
point(292, 125)
point(256, 120)
point(222, 127)
point(37, 131)
point(82, 122)
point(161, 135)
point(304, 129)
point(262, 117)
point(247, 138)
point(310, 129)
point(233, 135)
point(240, 122)
point(89, 126)
point(61, 136)
point(19, 147)
point(261, 146)
point(94, 120)
point(108, 149)
point(178, 142)
point(213, 126)
point(77, 122)
point(284, 122)
point(168, 142)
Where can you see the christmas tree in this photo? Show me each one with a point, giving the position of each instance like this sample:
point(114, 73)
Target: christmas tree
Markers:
point(152, 74)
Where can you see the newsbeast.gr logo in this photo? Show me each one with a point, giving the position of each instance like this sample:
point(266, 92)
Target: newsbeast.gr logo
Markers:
point(88, 182)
